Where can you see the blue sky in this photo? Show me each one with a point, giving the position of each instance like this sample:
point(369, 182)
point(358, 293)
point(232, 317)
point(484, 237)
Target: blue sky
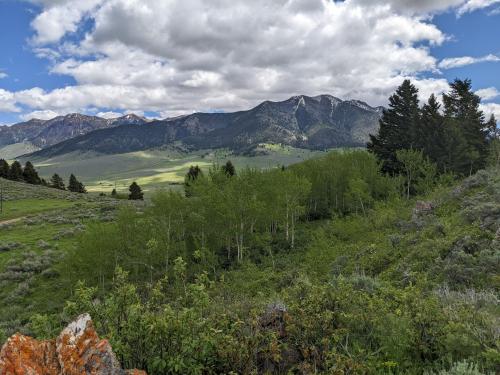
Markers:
point(77, 55)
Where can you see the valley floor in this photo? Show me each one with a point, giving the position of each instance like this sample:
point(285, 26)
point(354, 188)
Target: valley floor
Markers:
point(155, 169)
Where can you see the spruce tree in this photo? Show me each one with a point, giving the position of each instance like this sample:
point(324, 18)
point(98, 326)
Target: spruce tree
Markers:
point(135, 192)
point(193, 174)
point(73, 183)
point(75, 186)
point(229, 169)
point(431, 133)
point(461, 108)
point(4, 168)
point(81, 188)
point(57, 182)
point(398, 127)
point(16, 171)
point(30, 175)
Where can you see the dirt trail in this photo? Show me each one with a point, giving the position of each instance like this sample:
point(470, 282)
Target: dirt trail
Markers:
point(12, 221)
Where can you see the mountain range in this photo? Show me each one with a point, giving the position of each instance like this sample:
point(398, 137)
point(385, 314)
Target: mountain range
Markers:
point(45, 133)
point(318, 122)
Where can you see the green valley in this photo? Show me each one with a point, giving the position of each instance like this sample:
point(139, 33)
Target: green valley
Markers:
point(155, 169)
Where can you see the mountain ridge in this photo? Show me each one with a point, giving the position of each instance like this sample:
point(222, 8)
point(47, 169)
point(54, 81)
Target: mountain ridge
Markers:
point(45, 133)
point(318, 122)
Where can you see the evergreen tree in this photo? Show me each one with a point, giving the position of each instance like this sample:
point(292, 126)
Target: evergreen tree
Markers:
point(16, 171)
point(30, 175)
point(57, 182)
point(229, 169)
point(73, 184)
point(135, 192)
point(81, 188)
point(461, 108)
point(431, 132)
point(193, 174)
point(398, 127)
point(4, 168)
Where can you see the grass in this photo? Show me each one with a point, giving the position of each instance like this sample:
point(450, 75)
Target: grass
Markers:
point(20, 208)
point(31, 248)
point(159, 168)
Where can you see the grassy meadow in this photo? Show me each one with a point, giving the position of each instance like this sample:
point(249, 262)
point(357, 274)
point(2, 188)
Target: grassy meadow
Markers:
point(154, 169)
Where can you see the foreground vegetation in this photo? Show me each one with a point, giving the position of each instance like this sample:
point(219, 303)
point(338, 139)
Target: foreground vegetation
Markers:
point(327, 266)
point(183, 287)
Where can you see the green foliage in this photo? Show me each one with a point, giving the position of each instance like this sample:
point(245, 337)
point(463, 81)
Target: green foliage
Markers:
point(456, 141)
point(75, 186)
point(419, 172)
point(239, 278)
point(16, 171)
point(343, 183)
point(135, 192)
point(191, 176)
point(4, 168)
point(229, 169)
point(398, 127)
point(461, 368)
point(57, 182)
point(30, 175)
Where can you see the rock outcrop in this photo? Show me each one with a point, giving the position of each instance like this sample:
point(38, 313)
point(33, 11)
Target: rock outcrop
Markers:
point(76, 351)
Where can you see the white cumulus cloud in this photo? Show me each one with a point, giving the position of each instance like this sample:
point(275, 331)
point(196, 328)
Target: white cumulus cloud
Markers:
point(457, 62)
point(180, 56)
point(488, 93)
point(41, 115)
point(472, 5)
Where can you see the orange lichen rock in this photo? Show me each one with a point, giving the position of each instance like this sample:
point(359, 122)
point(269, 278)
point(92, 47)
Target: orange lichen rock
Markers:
point(78, 350)
point(22, 355)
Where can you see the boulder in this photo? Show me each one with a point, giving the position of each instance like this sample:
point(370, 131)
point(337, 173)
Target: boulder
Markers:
point(24, 355)
point(80, 351)
point(77, 350)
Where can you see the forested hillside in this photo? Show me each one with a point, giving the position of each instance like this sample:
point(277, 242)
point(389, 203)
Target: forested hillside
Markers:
point(381, 262)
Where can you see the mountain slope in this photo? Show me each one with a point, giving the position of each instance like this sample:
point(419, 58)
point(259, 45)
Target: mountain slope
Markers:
point(44, 133)
point(310, 122)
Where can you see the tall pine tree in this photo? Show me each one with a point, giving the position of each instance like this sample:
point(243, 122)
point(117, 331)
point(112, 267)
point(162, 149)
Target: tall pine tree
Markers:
point(57, 182)
point(229, 169)
point(398, 127)
point(16, 171)
point(75, 186)
point(73, 183)
point(192, 175)
point(431, 132)
point(461, 110)
point(30, 175)
point(4, 168)
point(135, 192)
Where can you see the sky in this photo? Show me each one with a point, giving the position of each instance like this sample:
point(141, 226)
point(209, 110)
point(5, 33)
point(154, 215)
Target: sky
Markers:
point(164, 58)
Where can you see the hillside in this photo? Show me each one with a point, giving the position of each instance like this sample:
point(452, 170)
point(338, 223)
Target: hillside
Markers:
point(389, 284)
point(38, 226)
point(44, 133)
point(320, 122)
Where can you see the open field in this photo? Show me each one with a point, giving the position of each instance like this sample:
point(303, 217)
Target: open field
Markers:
point(38, 226)
point(159, 168)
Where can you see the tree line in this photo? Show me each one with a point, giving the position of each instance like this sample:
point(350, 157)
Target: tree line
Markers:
point(454, 136)
point(29, 175)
